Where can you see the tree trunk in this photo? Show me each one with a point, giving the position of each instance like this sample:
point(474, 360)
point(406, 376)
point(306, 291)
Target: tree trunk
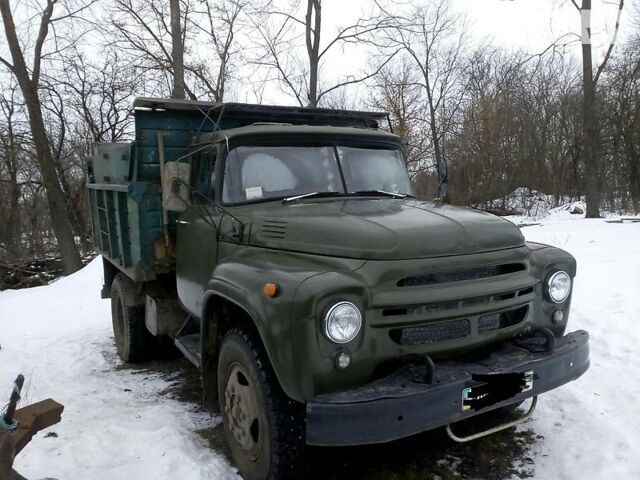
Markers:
point(12, 229)
point(441, 166)
point(633, 163)
point(75, 206)
point(313, 25)
point(590, 128)
point(177, 51)
point(13, 240)
point(55, 198)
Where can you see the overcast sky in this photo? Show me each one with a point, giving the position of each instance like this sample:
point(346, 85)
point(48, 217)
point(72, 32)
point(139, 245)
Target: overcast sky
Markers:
point(534, 24)
point(529, 25)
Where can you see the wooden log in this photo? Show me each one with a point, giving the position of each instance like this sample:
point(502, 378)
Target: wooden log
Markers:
point(33, 418)
point(6, 458)
point(6, 455)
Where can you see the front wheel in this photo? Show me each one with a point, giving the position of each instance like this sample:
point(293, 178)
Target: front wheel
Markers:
point(263, 427)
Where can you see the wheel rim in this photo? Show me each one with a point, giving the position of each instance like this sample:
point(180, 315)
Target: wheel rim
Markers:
point(243, 412)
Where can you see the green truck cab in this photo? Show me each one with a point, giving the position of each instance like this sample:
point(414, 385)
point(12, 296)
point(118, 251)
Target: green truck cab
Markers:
point(283, 252)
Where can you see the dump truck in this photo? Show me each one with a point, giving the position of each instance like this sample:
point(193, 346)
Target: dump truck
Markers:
point(283, 252)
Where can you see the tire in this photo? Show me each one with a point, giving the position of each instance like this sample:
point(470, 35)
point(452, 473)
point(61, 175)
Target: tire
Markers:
point(133, 340)
point(263, 427)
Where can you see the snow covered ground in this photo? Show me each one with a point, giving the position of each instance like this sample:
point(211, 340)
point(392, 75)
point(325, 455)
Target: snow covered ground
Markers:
point(117, 424)
point(591, 427)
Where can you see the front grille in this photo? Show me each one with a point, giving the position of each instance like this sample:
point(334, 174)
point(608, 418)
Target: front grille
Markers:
point(449, 305)
point(458, 328)
point(474, 273)
point(495, 321)
point(433, 333)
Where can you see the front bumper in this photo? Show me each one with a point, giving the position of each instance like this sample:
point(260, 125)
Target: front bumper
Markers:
point(397, 406)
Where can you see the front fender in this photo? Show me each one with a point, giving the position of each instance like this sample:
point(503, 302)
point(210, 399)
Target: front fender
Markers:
point(240, 279)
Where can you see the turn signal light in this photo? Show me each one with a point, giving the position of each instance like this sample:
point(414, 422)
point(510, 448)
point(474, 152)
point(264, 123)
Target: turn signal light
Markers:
point(270, 289)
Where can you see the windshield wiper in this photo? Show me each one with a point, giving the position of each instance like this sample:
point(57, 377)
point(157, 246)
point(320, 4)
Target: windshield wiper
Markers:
point(311, 195)
point(336, 194)
point(383, 192)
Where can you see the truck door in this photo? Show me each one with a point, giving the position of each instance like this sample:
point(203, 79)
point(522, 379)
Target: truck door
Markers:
point(197, 233)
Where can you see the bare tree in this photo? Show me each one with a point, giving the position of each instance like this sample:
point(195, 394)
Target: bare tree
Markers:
point(177, 50)
point(591, 129)
point(85, 103)
point(434, 38)
point(621, 92)
point(67, 161)
point(155, 38)
point(396, 91)
point(220, 23)
point(142, 31)
point(99, 95)
point(28, 80)
point(300, 76)
point(12, 137)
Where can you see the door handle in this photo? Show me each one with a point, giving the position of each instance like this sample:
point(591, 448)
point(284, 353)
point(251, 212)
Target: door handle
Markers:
point(183, 222)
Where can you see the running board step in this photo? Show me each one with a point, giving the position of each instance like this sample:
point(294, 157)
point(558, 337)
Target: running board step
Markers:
point(188, 341)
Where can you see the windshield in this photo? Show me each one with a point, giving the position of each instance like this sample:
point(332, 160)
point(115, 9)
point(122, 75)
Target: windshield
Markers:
point(254, 173)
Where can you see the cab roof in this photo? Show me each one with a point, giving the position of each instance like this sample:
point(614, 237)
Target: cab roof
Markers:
point(283, 131)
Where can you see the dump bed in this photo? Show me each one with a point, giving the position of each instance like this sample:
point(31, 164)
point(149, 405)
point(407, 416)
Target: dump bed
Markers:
point(123, 179)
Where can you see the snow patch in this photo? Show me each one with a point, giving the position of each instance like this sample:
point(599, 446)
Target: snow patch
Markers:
point(116, 423)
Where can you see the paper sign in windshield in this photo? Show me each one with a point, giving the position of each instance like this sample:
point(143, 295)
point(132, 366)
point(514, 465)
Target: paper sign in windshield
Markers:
point(253, 192)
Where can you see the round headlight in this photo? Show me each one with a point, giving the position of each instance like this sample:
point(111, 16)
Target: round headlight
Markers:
point(342, 322)
point(559, 286)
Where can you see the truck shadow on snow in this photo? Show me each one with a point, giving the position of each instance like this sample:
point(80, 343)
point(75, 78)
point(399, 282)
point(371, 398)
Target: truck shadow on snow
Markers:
point(428, 456)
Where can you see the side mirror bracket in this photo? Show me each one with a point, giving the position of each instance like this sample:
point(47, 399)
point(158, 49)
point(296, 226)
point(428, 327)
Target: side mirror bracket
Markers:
point(175, 186)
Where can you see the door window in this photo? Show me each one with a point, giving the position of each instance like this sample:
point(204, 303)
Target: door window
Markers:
point(203, 174)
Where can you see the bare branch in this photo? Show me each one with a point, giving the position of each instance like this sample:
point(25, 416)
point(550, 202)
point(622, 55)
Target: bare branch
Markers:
point(42, 35)
point(287, 15)
point(602, 66)
point(7, 64)
point(353, 80)
point(75, 13)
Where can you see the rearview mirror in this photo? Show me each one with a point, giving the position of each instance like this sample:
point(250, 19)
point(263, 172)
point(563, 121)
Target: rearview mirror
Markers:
point(175, 186)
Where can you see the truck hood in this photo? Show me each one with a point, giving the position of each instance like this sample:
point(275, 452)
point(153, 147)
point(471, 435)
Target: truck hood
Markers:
point(378, 229)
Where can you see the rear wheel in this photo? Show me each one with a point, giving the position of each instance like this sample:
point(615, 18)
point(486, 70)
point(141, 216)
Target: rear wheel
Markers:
point(263, 427)
point(133, 340)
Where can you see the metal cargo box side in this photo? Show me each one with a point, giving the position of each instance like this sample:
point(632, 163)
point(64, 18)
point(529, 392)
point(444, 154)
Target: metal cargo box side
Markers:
point(126, 213)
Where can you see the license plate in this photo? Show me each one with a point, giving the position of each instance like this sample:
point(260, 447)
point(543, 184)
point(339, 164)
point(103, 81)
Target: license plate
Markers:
point(496, 388)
